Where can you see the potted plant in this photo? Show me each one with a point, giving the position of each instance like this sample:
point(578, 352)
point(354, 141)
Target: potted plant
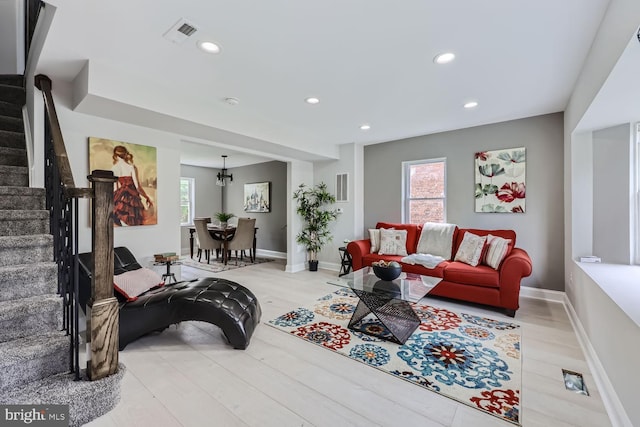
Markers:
point(311, 206)
point(223, 218)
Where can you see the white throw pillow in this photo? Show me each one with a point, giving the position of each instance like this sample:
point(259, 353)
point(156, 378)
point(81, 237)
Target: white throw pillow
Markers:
point(133, 283)
point(497, 249)
point(374, 237)
point(470, 249)
point(393, 242)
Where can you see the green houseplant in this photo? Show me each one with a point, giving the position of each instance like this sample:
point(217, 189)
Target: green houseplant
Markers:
point(311, 206)
point(223, 218)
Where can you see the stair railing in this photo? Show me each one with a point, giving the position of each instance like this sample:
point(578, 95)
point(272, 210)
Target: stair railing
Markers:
point(62, 203)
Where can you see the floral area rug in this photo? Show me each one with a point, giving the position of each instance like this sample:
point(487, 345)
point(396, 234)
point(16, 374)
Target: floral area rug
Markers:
point(218, 266)
point(471, 359)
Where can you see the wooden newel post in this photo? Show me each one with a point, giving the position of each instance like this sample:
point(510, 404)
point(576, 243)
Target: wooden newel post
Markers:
point(102, 308)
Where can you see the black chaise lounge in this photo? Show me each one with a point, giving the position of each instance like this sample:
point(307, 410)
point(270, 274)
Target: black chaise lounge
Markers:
point(221, 302)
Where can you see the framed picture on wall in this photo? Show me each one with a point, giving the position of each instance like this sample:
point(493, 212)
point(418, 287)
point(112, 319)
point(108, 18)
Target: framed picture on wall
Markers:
point(135, 166)
point(257, 197)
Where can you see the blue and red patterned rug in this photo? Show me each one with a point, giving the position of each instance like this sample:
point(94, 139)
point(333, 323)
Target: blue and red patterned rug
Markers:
point(471, 359)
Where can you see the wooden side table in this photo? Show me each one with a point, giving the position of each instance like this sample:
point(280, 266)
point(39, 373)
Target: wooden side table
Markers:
point(168, 260)
point(345, 261)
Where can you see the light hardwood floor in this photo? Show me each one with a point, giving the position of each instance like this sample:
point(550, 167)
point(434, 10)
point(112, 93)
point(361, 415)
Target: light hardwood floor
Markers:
point(188, 375)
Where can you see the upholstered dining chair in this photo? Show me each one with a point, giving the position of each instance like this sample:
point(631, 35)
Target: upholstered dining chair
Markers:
point(243, 238)
point(205, 241)
point(208, 220)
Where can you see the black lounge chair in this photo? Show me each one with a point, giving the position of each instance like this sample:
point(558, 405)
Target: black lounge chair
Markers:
point(221, 302)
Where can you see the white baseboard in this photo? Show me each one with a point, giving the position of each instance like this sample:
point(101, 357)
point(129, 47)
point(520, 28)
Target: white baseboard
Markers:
point(294, 268)
point(271, 254)
point(615, 410)
point(329, 266)
point(543, 294)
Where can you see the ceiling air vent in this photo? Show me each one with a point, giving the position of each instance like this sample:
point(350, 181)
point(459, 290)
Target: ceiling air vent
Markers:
point(180, 31)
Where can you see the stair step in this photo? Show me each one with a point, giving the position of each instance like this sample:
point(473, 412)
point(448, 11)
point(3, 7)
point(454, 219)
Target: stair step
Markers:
point(12, 80)
point(33, 358)
point(12, 94)
point(30, 316)
point(13, 156)
point(12, 139)
point(87, 400)
point(13, 124)
point(18, 250)
point(14, 176)
point(27, 280)
point(23, 222)
point(9, 109)
point(22, 198)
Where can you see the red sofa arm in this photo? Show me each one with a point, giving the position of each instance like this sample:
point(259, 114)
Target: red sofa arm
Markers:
point(514, 267)
point(357, 249)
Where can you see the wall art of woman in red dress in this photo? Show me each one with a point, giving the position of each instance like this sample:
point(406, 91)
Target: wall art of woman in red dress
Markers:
point(128, 192)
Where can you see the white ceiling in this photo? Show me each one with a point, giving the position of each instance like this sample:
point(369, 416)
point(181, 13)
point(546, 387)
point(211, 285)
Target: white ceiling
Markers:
point(368, 61)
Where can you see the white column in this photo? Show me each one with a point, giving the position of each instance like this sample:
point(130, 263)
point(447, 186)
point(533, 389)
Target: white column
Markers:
point(298, 172)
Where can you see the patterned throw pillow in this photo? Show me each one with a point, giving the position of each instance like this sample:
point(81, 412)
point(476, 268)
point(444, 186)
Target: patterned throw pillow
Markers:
point(497, 250)
point(393, 242)
point(470, 250)
point(133, 283)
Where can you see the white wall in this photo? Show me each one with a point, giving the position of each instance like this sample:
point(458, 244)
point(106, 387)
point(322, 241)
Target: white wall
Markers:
point(611, 336)
point(12, 36)
point(143, 241)
point(611, 189)
point(349, 223)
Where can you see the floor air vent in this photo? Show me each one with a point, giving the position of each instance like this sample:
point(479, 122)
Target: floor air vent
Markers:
point(180, 31)
point(574, 381)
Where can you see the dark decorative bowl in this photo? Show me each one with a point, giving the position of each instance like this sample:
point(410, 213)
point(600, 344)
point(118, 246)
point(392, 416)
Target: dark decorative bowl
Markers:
point(387, 273)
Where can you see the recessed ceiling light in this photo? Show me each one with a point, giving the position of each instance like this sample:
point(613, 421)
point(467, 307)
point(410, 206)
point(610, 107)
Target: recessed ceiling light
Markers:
point(444, 58)
point(471, 104)
point(209, 47)
point(365, 127)
point(312, 100)
point(232, 101)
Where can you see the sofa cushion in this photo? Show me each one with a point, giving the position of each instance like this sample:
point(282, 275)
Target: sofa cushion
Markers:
point(413, 232)
point(374, 238)
point(480, 275)
point(497, 250)
point(393, 242)
point(505, 234)
point(132, 284)
point(471, 249)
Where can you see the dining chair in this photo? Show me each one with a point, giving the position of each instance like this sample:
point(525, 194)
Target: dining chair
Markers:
point(205, 241)
point(208, 220)
point(243, 238)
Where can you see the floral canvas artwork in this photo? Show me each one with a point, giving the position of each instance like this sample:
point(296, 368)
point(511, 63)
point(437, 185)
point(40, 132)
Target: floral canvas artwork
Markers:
point(500, 180)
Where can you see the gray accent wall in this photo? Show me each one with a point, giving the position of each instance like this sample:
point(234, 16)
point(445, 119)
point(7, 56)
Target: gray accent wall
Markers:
point(611, 194)
point(272, 226)
point(540, 230)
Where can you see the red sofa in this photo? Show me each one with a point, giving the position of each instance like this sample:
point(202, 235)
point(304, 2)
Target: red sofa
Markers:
point(481, 284)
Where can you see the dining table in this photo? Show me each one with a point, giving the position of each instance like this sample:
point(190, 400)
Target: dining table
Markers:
point(224, 234)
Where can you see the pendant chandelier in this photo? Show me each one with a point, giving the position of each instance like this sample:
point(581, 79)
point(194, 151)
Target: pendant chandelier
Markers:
point(223, 176)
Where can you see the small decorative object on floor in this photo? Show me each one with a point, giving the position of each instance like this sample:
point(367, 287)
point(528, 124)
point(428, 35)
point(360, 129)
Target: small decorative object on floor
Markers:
point(387, 270)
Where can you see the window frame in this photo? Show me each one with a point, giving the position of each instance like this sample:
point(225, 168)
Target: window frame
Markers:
point(192, 202)
point(406, 187)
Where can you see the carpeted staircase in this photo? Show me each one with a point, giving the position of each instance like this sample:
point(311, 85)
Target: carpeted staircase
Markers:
point(34, 352)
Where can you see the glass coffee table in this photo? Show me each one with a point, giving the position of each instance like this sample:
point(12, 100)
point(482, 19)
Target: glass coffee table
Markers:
point(387, 301)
